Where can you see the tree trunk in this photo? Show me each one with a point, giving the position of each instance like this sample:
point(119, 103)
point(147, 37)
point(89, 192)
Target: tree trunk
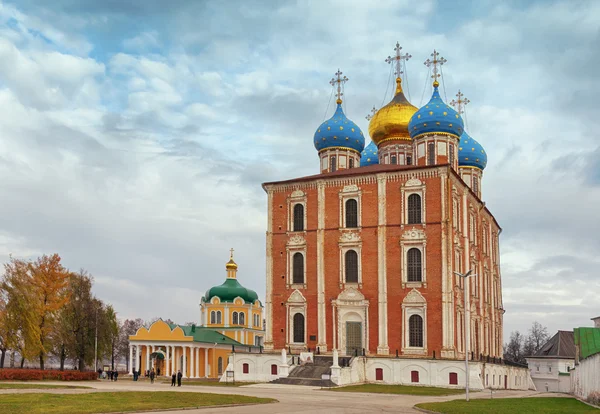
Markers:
point(2, 358)
point(112, 356)
point(22, 361)
point(42, 361)
point(81, 364)
point(63, 356)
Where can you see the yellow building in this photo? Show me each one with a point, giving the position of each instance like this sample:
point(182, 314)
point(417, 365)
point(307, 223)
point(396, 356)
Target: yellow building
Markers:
point(231, 319)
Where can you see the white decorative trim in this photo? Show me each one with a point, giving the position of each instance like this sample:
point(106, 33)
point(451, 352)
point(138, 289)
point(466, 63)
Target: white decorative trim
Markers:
point(350, 192)
point(350, 306)
point(414, 304)
point(296, 197)
point(413, 186)
point(296, 240)
point(413, 238)
point(350, 237)
point(413, 182)
point(296, 303)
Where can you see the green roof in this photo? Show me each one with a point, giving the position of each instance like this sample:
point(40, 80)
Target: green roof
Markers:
point(588, 341)
point(204, 334)
point(229, 290)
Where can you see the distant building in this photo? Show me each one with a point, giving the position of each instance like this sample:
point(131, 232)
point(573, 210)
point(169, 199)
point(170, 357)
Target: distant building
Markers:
point(585, 378)
point(550, 367)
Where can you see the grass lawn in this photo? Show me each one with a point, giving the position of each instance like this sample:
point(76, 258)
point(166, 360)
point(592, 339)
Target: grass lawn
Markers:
point(398, 389)
point(511, 405)
point(108, 402)
point(211, 383)
point(21, 386)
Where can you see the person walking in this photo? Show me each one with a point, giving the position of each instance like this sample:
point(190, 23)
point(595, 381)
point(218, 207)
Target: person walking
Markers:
point(116, 374)
point(173, 379)
point(179, 375)
point(152, 376)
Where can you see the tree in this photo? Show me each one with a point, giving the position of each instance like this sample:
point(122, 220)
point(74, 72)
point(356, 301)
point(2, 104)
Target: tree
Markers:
point(128, 328)
point(112, 333)
point(538, 336)
point(513, 351)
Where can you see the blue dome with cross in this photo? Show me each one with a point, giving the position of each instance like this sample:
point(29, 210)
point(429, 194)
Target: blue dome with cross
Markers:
point(471, 153)
point(436, 117)
point(369, 155)
point(339, 131)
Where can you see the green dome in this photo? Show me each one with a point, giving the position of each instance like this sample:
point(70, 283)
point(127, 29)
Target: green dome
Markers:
point(229, 290)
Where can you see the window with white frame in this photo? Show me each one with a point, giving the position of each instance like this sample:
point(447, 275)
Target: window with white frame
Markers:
point(296, 262)
point(413, 202)
point(296, 205)
point(298, 328)
point(298, 217)
point(350, 258)
point(242, 318)
point(219, 321)
point(234, 318)
point(414, 265)
point(413, 247)
point(298, 268)
point(415, 331)
point(414, 322)
point(351, 212)
point(350, 206)
point(351, 266)
point(213, 317)
point(414, 209)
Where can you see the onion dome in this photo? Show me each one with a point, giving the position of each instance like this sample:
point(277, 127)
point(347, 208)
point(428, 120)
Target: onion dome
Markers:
point(369, 155)
point(339, 131)
point(436, 117)
point(391, 121)
point(229, 290)
point(471, 153)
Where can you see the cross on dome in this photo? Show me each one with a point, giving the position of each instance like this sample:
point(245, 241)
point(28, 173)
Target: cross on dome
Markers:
point(398, 60)
point(435, 63)
point(460, 102)
point(231, 253)
point(373, 111)
point(340, 82)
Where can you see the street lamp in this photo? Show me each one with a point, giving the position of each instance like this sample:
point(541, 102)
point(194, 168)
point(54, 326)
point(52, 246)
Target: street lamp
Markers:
point(467, 313)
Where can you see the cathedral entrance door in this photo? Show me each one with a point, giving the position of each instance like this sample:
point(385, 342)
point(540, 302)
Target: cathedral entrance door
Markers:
point(353, 338)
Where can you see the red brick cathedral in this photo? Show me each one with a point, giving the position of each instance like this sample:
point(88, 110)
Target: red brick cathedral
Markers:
point(362, 256)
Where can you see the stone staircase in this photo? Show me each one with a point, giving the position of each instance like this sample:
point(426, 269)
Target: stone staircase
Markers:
point(310, 373)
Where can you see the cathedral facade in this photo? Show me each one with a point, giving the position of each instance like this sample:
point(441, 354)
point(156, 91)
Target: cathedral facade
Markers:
point(363, 256)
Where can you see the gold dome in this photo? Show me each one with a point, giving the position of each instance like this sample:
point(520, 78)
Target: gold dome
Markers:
point(391, 121)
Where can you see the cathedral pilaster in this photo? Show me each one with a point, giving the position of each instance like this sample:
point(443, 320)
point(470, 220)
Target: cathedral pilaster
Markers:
point(321, 312)
point(447, 299)
point(269, 271)
point(383, 347)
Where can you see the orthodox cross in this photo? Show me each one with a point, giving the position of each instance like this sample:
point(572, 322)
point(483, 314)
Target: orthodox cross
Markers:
point(436, 62)
point(340, 82)
point(460, 102)
point(231, 253)
point(398, 60)
point(372, 114)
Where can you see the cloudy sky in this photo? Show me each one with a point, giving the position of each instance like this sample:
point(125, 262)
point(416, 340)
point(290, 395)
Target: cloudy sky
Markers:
point(134, 135)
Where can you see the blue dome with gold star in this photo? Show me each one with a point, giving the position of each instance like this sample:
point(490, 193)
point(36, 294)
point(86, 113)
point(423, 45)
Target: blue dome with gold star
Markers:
point(471, 153)
point(339, 131)
point(436, 117)
point(369, 155)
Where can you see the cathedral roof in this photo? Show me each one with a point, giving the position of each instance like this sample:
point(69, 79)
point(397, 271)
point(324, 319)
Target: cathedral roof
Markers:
point(229, 290)
point(471, 153)
point(436, 117)
point(561, 345)
point(339, 131)
point(369, 155)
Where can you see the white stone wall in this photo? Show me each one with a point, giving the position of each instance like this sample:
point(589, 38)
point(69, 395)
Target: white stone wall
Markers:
point(546, 373)
point(585, 378)
point(259, 367)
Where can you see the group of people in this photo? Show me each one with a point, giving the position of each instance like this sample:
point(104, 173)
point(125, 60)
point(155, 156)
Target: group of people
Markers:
point(111, 374)
point(152, 374)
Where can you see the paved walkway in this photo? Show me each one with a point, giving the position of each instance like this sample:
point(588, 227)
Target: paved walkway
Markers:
point(292, 398)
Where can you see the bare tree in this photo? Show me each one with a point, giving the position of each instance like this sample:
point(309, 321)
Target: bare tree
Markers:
point(538, 336)
point(513, 351)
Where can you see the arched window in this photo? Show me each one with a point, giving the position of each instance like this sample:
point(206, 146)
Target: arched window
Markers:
point(242, 318)
point(235, 318)
point(220, 366)
point(299, 217)
point(332, 164)
point(219, 317)
point(431, 153)
point(415, 331)
point(351, 266)
point(351, 213)
point(394, 159)
point(413, 261)
point(299, 328)
point(212, 317)
point(414, 209)
point(298, 268)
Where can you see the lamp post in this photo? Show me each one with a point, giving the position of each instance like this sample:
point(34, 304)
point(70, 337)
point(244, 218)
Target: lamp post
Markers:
point(96, 344)
point(467, 321)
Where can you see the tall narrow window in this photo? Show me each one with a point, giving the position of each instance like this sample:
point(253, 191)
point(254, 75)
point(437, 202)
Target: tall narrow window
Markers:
point(212, 317)
point(431, 153)
point(408, 160)
point(414, 209)
point(394, 160)
point(273, 369)
point(415, 331)
point(451, 152)
point(299, 328)
point(299, 217)
point(414, 266)
point(220, 366)
point(245, 368)
point(351, 266)
point(351, 163)
point(332, 164)
point(351, 213)
point(476, 185)
point(298, 268)
point(242, 318)
point(235, 318)
point(219, 317)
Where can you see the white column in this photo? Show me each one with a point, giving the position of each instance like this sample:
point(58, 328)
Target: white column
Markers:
point(184, 368)
point(206, 373)
point(130, 359)
point(382, 348)
point(197, 363)
point(153, 361)
point(192, 362)
point(137, 357)
point(147, 357)
point(321, 313)
point(167, 367)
